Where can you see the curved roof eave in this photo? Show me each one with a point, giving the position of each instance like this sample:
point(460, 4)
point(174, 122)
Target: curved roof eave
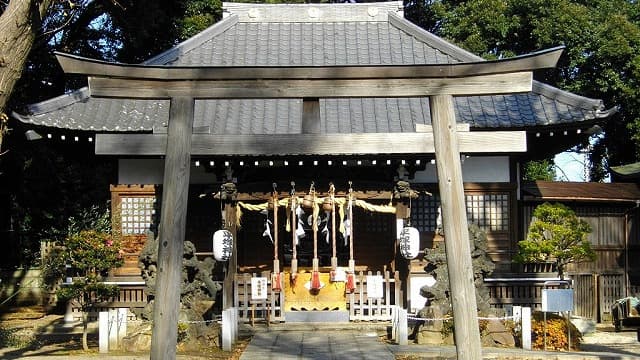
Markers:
point(461, 54)
point(590, 108)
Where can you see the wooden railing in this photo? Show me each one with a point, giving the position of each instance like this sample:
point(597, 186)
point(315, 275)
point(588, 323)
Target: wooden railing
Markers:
point(510, 292)
point(130, 296)
point(594, 294)
point(269, 309)
point(364, 308)
point(361, 307)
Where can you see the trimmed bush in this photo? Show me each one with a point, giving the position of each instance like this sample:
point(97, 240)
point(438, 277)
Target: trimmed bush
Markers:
point(557, 338)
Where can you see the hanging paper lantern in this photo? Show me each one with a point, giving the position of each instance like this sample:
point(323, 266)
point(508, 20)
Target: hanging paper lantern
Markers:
point(222, 245)
point(409, 242)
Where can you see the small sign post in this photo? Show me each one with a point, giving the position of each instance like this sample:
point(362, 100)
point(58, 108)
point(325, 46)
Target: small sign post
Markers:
point(375, 286)
point(557, 300)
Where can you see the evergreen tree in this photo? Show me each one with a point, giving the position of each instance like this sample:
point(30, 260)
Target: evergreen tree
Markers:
point(601, 60)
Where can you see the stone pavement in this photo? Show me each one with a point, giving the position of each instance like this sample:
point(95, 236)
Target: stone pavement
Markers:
point(311, 342)
point(319, 344)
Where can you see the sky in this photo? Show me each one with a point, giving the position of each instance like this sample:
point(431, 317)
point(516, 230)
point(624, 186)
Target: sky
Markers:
point(570, 166)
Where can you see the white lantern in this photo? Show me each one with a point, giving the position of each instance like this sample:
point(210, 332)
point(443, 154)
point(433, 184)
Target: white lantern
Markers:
point(409, 242)
point(222, 245)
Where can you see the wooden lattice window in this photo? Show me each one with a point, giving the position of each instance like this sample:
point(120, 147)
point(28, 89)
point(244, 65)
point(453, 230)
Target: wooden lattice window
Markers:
point(424, 212)
point(133, 215)
point(136, 214)
point(489, 211)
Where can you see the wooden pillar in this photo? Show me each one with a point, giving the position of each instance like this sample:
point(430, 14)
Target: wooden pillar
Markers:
point(399, 263)
point(173, 218)
point(232, 265)
point(456, 233)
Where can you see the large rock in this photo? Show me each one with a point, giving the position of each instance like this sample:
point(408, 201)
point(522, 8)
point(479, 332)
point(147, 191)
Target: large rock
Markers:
point(584, 325)
point(430, 331)
point(139, 340)
point(496, 334)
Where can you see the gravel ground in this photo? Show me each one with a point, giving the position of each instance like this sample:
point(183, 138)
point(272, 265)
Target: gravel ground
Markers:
point(607, 340)
point(603, 340)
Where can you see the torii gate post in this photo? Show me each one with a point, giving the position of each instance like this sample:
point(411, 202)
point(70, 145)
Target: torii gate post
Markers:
point(456, 227)
point(184, 84)
point(171, 233)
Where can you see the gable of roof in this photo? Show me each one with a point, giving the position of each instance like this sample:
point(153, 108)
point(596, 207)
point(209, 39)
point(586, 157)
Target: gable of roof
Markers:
point(580, 191)
point(316, 34)
point(626, 172)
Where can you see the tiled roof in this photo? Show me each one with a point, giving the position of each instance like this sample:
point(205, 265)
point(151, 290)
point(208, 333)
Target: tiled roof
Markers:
point(627, 171)
point(581, 191)
point(315, 34)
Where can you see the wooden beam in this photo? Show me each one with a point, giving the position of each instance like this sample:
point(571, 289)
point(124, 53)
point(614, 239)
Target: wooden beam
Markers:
point(311, 116)
point(361, 195)
point(311, 144)
point(173, 220)
point(428, 128)
point(73, 64)
point(456, 229)
point(310, 88)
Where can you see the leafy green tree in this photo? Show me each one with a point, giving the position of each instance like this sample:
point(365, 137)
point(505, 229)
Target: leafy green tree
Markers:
point(539, 170)
point(44, 184)
point(556, 234)
point(601, 60)
point(87, 254)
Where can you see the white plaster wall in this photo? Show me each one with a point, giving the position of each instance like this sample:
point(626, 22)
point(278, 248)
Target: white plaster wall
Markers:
point(151, 171)
point(474, 169)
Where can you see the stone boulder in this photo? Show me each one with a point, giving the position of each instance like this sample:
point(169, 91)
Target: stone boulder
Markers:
point(497, 334)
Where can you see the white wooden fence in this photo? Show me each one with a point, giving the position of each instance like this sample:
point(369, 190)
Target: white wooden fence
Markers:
point(361, 306)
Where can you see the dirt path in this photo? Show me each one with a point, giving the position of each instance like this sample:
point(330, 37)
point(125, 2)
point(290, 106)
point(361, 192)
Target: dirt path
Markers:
point(33, 330)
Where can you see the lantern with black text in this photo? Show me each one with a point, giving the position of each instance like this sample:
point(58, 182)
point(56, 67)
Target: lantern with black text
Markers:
point(222, 245)
point(409, 242)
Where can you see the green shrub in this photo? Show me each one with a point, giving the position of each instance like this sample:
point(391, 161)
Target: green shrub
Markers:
point(15, 338)
point(556, 234)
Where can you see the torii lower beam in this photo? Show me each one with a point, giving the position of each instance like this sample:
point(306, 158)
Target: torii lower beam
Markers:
point(440, 82)
point(311, 144)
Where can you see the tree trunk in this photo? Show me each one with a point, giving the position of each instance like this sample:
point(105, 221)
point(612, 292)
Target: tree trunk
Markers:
point(85, 320)
point(19, 24)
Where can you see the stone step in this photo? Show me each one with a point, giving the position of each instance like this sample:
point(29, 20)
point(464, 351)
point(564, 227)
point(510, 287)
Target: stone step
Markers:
point(339, 316)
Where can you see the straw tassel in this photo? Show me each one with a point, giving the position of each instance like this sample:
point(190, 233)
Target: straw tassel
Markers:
point(315, 273)
point(315, 276)
point(276, 282)
point(350, 286)
point(294, 237)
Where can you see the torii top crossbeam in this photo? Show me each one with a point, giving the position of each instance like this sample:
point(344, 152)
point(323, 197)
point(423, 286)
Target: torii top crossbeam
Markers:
point(182, 85)
point(140, 81)
point(146, 81)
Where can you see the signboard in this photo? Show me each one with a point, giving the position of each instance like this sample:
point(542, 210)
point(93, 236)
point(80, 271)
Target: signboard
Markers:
point(258, 288)
point(374, 286)
point(557, 300)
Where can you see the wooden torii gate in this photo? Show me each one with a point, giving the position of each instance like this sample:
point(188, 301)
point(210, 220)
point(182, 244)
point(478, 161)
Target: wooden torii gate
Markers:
point(182, 85)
